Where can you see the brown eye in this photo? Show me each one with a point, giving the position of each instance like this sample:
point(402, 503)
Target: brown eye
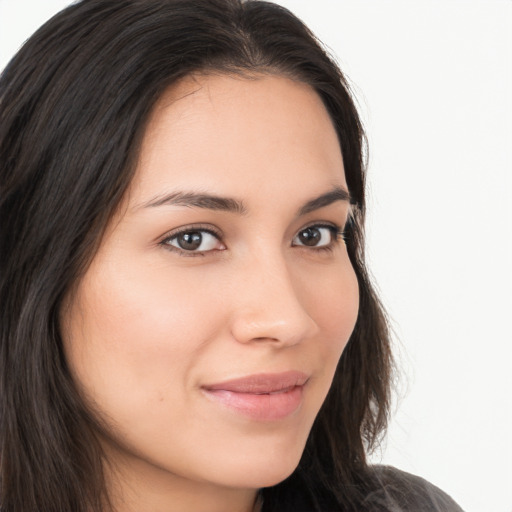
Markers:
point(316, 236)
point(198, 240)
point(310, 236)
point(189, 241)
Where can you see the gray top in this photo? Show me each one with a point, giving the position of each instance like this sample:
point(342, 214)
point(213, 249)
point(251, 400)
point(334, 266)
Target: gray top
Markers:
point(403, 492)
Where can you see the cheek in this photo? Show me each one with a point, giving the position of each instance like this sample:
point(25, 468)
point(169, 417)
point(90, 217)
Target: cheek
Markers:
point(335, 307)
point(134, 331)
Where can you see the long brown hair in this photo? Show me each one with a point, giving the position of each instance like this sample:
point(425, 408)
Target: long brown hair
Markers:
point(74, 103)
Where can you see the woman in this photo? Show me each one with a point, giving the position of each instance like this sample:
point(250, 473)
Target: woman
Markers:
point(187, 321)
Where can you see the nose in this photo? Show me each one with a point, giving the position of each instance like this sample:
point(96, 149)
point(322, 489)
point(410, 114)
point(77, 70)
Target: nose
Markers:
point(267, 305)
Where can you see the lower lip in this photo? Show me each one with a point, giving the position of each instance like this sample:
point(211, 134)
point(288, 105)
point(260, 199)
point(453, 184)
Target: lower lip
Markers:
point(266, 407)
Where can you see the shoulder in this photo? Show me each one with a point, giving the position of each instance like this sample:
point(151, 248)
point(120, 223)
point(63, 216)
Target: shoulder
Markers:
point(398, 491)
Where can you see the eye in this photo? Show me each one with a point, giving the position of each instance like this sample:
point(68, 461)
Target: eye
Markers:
point(317, 236)
point(194, 241)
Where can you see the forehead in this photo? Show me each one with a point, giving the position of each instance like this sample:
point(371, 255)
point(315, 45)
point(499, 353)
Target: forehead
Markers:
point(221, 132)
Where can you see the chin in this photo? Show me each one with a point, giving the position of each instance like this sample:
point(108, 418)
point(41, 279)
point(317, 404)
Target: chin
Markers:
point(257, 479)
point(265, 469)
point(273, 477)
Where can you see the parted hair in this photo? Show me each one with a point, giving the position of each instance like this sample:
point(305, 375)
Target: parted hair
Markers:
point(74, 104)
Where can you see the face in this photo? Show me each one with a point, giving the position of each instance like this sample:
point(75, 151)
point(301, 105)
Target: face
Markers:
point(207, 329)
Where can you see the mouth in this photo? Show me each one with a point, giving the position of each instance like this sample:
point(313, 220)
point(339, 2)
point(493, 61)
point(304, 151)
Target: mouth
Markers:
point(261, 397)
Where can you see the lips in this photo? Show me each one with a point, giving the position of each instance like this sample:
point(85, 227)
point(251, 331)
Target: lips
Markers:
point(262, 397)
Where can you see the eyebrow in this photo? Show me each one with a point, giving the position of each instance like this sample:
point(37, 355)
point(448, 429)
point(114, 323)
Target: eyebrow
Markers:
point(228, 204)
point(198, 200)
point(336, 194)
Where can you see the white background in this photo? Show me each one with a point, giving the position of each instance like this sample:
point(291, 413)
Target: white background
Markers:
point(433, 79)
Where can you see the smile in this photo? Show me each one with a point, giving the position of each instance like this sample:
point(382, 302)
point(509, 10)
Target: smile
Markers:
point(261, 397)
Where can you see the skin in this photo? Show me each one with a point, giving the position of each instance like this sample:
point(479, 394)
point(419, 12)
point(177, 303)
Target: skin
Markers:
point(148, 326)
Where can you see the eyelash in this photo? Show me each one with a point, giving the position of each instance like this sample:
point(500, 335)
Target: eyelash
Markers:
point(338, 235)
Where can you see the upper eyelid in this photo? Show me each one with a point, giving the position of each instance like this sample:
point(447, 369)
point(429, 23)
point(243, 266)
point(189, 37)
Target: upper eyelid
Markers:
point(192, 227)
point(321, 224)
